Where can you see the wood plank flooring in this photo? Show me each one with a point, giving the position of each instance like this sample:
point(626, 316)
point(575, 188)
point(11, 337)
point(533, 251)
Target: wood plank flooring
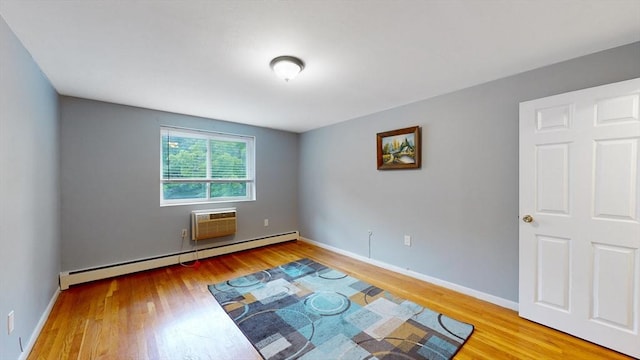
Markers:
point(169, 314)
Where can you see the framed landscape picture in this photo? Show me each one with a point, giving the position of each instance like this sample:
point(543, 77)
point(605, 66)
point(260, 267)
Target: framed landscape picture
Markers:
point(399, 149)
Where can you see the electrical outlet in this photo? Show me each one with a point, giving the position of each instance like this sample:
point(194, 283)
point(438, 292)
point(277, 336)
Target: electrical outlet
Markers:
point(11, 321)
point(266, 222)
point(407, 240)
point(184, 233)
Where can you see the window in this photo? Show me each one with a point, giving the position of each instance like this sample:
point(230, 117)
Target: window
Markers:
point(200, 166)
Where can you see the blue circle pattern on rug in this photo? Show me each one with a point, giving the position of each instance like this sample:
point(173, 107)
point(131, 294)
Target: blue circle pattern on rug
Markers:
point(327, 303)
point(250, 280)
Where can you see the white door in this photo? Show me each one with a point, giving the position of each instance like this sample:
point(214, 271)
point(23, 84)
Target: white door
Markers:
point(580, 214)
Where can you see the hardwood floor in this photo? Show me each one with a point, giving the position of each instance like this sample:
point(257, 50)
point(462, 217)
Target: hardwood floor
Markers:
point(169, 314)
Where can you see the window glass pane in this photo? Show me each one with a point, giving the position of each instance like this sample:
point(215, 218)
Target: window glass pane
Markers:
point(183, 157)
point(224, 190)
point(184, 191)
point(207, 157)
point(228, 159)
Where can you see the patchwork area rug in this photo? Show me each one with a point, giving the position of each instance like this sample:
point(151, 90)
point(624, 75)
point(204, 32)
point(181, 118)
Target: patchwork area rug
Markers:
point(305, 310)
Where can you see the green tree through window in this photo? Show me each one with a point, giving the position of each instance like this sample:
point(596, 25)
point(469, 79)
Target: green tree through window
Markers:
point(205, 167)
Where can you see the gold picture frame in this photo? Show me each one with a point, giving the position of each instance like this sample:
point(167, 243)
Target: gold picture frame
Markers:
point(399, 149)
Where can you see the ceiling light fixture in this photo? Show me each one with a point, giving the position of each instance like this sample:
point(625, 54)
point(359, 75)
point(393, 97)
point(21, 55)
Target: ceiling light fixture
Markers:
point(286, 67)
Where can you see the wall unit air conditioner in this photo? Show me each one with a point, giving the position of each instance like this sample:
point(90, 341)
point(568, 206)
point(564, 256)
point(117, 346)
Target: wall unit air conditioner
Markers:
point(208, 224)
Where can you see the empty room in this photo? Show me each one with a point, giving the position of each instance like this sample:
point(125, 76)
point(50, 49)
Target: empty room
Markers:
point(218, 179)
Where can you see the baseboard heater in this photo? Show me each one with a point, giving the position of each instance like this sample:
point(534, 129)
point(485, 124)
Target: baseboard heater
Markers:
point(82, 276)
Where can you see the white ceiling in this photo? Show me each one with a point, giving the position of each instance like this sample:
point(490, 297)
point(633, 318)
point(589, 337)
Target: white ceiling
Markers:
point(211, 58)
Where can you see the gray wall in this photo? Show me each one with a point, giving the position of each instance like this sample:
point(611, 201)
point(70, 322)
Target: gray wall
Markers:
point(29, 189)
point(461, 207)
point(110, 182)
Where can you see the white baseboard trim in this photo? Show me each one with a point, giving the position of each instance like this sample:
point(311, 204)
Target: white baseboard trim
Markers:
point(445, 284)
point(81, 276)
point(39, 326)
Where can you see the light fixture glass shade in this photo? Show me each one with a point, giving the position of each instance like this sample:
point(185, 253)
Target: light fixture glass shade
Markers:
point(287, 67)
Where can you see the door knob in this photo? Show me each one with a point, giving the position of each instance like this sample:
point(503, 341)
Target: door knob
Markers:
point(527, 218)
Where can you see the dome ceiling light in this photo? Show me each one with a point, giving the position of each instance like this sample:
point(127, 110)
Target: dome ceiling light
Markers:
point(286, 67)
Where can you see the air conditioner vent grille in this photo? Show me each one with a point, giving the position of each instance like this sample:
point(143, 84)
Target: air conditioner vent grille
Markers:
point(208, 224)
